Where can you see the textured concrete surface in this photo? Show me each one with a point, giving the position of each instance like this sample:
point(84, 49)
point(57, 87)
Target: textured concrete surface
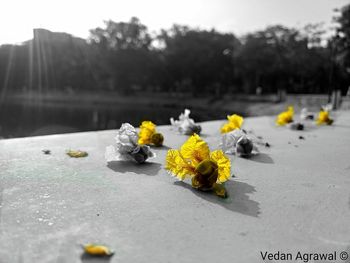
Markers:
point(294, 196)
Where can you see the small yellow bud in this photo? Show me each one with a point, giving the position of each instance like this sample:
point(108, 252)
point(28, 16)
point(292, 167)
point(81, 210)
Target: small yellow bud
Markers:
point(207, 175)
point(157, 139)
point(206, 167)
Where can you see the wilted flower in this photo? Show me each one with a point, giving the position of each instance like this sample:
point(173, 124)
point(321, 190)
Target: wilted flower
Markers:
point(185, 124)
point(127, 147)
point(295, 126)
point(208, 170)
point(328, 107)
point(234, 122)
point(97, 250)
point(323, 118)
point(77, 153)
point(285, 117)
point(149, 135)
point(237, 142)
point(306, 115)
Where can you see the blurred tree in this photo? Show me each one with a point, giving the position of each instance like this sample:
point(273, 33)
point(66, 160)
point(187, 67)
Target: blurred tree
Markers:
point(315, 34)
point(342, 38)
point(122, 56)
point(280, 58)
point(198, 61)
point(126, 49)
point(122, 35)
point(340, 47)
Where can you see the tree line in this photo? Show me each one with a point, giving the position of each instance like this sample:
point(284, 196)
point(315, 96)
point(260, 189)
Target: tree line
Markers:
point(125, 57)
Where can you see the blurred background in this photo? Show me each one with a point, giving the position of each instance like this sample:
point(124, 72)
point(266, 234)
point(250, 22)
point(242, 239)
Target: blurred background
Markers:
point(92, 65)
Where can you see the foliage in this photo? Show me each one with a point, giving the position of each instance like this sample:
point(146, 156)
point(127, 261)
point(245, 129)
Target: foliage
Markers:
point(125, 57)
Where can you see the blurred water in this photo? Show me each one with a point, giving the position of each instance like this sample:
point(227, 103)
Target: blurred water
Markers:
point(22, 119)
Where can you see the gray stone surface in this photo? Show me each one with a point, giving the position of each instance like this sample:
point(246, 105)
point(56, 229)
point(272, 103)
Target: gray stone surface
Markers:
point(294, 196)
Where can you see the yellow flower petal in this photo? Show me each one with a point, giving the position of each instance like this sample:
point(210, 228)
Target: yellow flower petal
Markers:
point(234, 122)
point(223, 163)
point(195, 150)
point(227, 127)
point(77, 154)
point(178, 166)
point(147, 129)
point(97, 250)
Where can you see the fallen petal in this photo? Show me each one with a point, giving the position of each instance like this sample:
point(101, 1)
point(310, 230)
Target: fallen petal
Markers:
point(97, 250)
point(77, 153)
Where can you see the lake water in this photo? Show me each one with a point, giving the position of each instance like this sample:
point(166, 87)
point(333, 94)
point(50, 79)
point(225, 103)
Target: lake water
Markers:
point(21, 119)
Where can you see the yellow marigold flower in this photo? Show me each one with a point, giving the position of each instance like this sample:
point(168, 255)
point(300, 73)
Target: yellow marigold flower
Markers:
point(234, 122)
point(147, 129)
point(205, 168)
point(285, 117)
point(149, 135)
point(323, 118)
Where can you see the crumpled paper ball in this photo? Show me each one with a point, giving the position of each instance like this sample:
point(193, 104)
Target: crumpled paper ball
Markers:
point(306, 115)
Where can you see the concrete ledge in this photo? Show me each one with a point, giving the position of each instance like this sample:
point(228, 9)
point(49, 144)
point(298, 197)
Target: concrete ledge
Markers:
point(293, 197)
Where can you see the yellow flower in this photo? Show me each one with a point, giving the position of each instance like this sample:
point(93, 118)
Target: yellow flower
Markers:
point(285, 117)
point(234, 122)
point(323, 118)
point(205, 168)
point(149, 135)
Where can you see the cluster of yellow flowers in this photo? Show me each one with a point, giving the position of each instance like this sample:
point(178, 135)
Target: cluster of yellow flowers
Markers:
point(207, 170)
point(234, 122)
point(287, 117)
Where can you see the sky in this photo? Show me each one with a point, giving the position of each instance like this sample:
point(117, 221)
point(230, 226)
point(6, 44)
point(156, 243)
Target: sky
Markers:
point(77, 17)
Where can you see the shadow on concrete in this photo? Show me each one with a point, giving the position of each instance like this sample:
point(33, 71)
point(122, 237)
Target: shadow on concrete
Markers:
point(163, 147)
point(260, 158)
point(85, 258)
point(147, 168)
point(237, 201)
